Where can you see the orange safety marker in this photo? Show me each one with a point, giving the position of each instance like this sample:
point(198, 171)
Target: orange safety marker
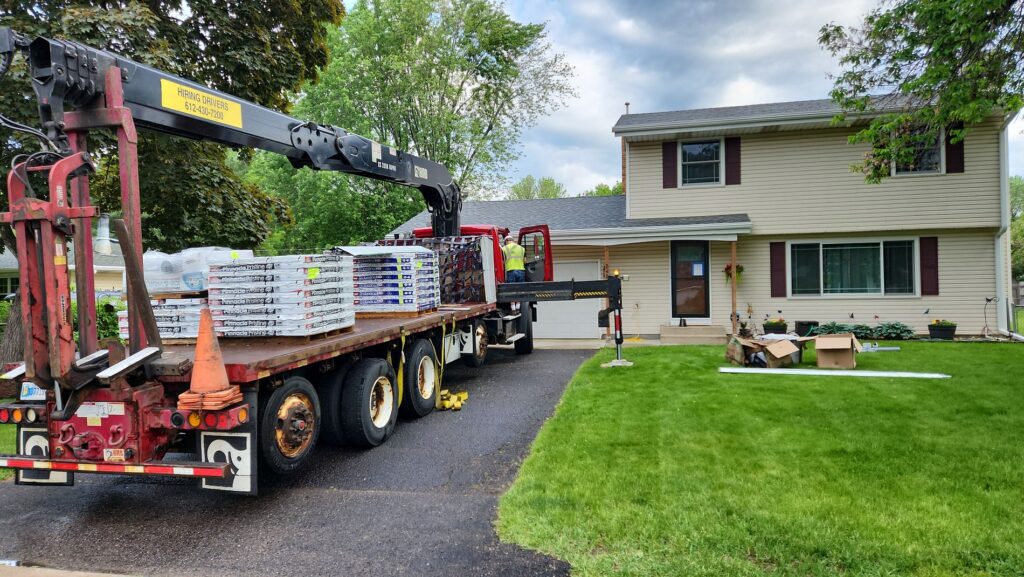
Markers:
point(210, 389)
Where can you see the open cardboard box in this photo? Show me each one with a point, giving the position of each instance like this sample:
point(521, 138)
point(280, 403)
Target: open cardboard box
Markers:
point(777, 353)
point(837, 351)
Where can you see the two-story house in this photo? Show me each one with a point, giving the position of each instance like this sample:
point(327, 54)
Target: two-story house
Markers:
point(815, 242)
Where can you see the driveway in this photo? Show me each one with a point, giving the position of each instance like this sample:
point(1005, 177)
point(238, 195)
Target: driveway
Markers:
point(422, 504)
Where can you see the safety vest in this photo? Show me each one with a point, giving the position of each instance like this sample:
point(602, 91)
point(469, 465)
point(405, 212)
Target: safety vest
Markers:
point(514, 256)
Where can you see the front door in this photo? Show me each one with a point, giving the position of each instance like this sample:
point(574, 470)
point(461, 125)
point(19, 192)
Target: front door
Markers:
point(690, 279)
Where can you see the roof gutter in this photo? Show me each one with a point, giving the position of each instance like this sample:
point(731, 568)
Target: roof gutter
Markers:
point(635, 234)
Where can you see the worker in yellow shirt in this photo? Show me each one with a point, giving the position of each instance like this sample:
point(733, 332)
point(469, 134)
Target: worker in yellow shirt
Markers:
point(515, 261)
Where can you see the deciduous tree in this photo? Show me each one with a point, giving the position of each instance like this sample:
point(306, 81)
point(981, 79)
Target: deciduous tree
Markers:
point(532, 188)
point(605, 190)
point(926, 65)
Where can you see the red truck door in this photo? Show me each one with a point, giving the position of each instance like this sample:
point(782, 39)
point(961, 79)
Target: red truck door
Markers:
point(537, 242)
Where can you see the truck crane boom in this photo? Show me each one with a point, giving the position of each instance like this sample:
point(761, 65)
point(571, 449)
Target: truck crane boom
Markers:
point(69, 74)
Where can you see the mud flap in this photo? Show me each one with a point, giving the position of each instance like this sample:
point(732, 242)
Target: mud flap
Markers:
point(238, 449)
point(35, 442)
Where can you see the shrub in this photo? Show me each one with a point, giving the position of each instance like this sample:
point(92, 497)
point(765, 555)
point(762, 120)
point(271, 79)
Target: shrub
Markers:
point(831, 329)
point(863, 332)
point(106, 317)
point(894, 331)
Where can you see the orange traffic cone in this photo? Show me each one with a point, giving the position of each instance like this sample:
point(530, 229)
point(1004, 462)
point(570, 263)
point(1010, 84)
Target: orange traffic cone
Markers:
point(210, 389)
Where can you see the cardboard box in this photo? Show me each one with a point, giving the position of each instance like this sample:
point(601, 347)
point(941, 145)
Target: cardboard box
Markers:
point(837, 351)
point(780, 353)
point(773, 353)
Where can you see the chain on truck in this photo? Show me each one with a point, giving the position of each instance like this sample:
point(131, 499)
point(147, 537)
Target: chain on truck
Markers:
point(115, 409)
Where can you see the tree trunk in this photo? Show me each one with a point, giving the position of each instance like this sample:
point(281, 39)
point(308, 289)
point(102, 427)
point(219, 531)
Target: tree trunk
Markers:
point(12, 345)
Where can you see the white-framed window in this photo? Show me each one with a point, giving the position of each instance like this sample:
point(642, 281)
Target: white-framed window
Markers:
point(929, 157)
point(8, 284)
point(701, 162)
point(882, 267)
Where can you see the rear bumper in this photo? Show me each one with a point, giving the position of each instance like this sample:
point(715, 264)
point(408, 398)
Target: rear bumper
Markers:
point(183, 469)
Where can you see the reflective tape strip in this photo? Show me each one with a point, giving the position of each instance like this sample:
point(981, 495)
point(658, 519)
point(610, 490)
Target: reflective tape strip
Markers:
point(214, 472)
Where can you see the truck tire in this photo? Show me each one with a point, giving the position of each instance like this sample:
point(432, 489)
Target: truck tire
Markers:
point(478, 331)
point(369, 403)
point(289, 426)
point(524, 346)
point(329, 389)
point(420, 380)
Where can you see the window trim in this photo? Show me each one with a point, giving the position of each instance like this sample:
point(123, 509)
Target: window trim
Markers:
point(914, 174)
point(916, 267)
point(721, 163)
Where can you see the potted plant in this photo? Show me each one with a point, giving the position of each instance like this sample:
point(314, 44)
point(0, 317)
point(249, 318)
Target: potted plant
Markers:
point(942, 329)
point(776, 325)
point(729, 273)
point(744, 330)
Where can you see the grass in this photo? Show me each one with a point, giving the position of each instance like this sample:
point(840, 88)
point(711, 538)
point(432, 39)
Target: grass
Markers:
point(1020, 319)
point(670, 468)
point(7, 444)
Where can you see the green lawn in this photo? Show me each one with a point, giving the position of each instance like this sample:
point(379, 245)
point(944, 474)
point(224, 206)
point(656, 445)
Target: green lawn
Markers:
point(670, 468)
point(1020, 319)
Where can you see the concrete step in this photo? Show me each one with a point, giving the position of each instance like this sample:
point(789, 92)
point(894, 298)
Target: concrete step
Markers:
point(703, 330)
point(693, 340)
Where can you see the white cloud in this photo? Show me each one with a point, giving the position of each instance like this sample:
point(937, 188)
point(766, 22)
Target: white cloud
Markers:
point(1015, 134)
point(745, 90)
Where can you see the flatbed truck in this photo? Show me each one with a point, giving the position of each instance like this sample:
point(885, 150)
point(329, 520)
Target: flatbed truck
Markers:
point(86, 408)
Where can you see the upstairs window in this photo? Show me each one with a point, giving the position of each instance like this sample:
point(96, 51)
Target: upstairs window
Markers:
point(927, 156)
point(701, 162)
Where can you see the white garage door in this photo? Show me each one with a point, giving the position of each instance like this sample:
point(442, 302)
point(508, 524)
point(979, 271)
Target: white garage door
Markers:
point(571, 319)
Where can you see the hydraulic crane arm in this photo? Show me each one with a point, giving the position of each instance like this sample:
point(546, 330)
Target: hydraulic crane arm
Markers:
point(67, 75)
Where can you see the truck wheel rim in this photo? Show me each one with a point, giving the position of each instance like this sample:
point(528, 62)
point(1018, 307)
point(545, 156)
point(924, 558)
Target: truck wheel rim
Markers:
point(481, 341)
point(426, 378)
point(296, 421)
point(382, 402)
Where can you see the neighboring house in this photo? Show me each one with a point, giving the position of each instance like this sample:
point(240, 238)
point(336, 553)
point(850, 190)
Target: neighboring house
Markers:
point(109, 270)
point(815, 241)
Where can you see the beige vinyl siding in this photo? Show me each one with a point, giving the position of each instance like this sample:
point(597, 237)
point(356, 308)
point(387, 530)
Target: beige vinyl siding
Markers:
point(800, 182)
point(646, 295)
point(966, 278)
point(107, 280)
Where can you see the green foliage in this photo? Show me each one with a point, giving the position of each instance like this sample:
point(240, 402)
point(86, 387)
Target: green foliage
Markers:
point(832, 328)
point(893, 331)
point(455, 82)
point(1017, 226)
point(938, 62)
point(942, 323)
point(106, 317)
point(532, 188)
point(259, 51)
point(605, 190)
point(810, 476)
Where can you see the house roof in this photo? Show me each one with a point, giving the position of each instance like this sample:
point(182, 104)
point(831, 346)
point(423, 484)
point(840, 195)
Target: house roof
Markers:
point(790, 115)
point(595, 219)
point(8, 262)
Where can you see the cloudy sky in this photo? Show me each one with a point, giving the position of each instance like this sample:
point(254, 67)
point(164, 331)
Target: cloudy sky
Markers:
point(670, 55)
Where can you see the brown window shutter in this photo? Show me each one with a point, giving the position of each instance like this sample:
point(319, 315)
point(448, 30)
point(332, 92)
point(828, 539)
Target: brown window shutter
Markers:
point(732, 160)
point(929, 265)
point(669, 170)
point(954, 152)
point(777, 261)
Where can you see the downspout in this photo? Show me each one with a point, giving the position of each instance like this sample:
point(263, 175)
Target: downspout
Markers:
point(1002, 297)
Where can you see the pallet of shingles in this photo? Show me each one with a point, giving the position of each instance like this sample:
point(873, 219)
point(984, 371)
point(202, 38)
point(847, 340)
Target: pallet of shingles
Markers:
point(176, 318)
point(294, 295)
point(400, 282)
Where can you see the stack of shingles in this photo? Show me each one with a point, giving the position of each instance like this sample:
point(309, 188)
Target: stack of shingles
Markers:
point(396, 280)
point(176, 318)
point(294, 295)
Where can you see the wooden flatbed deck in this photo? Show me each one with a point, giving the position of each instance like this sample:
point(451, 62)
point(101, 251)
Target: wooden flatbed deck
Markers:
point(248, 360)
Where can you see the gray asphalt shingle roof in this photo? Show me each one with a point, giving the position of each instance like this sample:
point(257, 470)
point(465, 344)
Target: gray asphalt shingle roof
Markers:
point(573, 213)
point(729, 114)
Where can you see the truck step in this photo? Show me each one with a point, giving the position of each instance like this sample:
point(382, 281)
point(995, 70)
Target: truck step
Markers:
point(514, 338)
point(511, 317)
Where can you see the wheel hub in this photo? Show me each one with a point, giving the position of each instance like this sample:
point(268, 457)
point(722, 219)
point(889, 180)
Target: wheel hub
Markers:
point(382, 402)
point(296, 422)
point(426, 378)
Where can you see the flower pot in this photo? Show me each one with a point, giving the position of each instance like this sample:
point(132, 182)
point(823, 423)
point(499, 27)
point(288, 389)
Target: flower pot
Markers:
point(776, 329)
point(941, 332)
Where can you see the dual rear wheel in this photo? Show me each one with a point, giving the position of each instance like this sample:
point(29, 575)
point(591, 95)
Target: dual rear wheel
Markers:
point(361, 407)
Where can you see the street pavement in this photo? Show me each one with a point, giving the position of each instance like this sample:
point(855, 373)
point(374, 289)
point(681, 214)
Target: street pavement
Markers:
point(424, 503)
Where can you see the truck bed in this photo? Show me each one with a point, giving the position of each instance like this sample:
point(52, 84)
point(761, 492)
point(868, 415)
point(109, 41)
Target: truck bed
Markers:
point(248, 360)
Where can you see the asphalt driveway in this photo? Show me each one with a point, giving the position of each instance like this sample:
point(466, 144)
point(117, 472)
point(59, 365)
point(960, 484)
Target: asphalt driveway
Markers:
point(422, 504)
